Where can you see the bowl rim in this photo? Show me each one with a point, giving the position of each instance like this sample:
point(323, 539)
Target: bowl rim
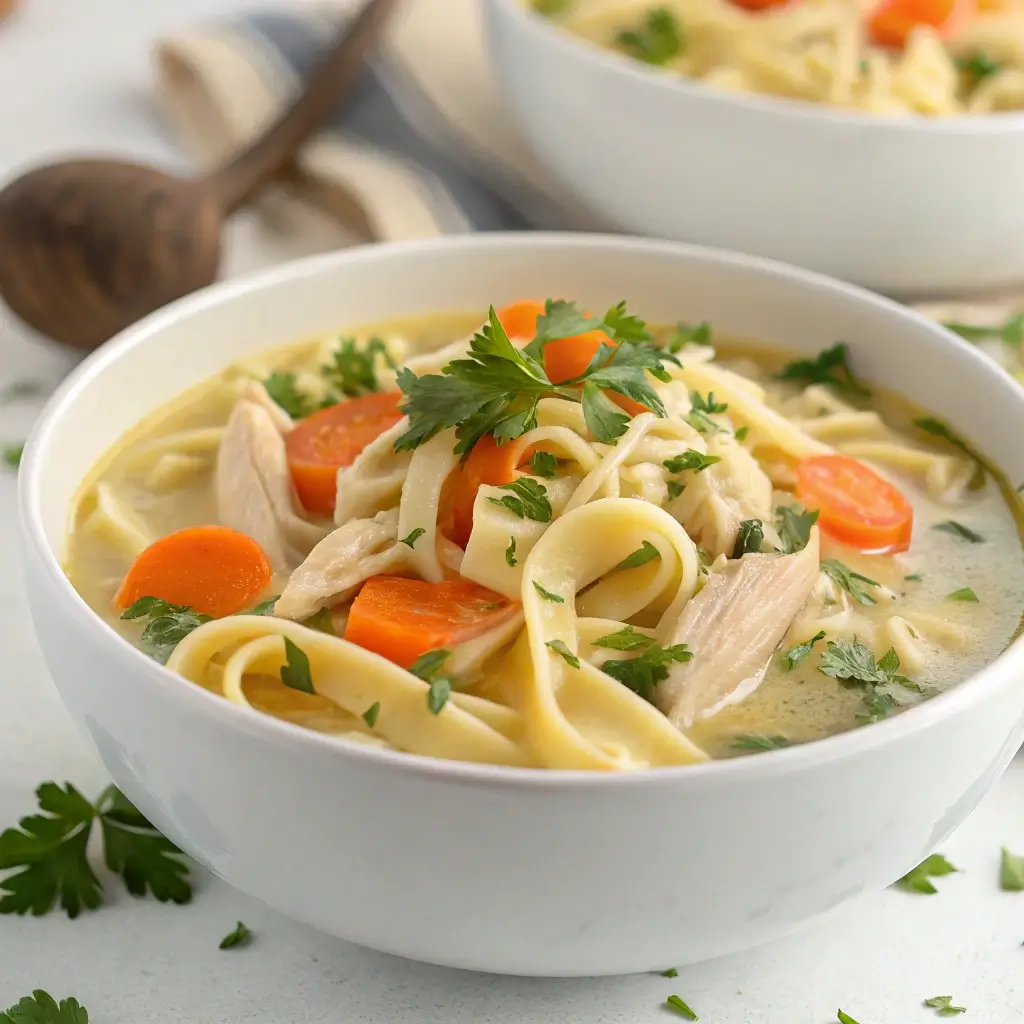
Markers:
point(850, 744)
point(842, 118)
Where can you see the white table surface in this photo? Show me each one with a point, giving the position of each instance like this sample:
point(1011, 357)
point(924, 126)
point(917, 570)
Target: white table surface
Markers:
point(74, 76)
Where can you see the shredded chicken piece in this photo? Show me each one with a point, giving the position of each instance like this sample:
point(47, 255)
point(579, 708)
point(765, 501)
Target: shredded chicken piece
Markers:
point(343, 560)
point(733, 627)
point(374, 480)
point(254, 488)
point(254, 391)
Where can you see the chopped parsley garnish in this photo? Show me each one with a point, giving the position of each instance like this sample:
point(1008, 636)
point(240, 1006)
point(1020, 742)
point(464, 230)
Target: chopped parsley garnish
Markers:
point(676, 1004)
point(295, 673)
point(690, 459)
point(19, 389)
point(675, 488)
point(963, 594)
point(701, 411)
point(626, 639)
point(371, 714)
point(759, 741)
point(51, 849)
point(239, 936)
point(843, 576)
point(794, 528)
point(439, 688)
point(496, 388)
point(937, 428)
point(801, 652)
point(979, 66)
point(282, 389)
point(263, 608)
point(322, 621)
point(414, 536)
point(543, 464)
point(642, 674)
point(670, 973)
point(42, 1008)
point(690, 334)
point(749, 538)
point(853, 664)
point(647, 552)
point(510, 553)
point(741, 433)
point(559, 648)
point(1011, 330)
point(547, 595)
point(959, 530)
point(528, 500)
point(944, 1005)
point(828, 367)
point(352, 370)
point(656, 41)
point(1011, 872)
point(913, 577)
point(168, 624)
point(12, 453)
point(919, 879)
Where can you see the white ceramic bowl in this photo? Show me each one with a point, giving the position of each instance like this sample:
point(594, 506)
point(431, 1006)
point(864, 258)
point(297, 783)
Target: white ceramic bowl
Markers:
point(489, 868)
point(906, 206)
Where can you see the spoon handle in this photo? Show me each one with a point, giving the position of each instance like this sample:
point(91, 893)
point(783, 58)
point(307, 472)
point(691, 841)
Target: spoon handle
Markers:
point(241, 179)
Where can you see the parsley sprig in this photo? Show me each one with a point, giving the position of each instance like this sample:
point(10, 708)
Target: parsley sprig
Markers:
point(42, 1008)
point(643, 673)
point(853, 664)
point(844, 577)
point(353, 368)
point(794, 526)
point(828, 367)
point(50, 849)
point(944, 1006)
point(168, 624)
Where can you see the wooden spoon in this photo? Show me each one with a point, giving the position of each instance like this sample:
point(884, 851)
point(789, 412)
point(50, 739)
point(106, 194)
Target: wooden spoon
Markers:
point(89, 246)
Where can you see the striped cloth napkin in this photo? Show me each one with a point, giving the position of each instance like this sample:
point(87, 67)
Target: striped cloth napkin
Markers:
point(423, 148)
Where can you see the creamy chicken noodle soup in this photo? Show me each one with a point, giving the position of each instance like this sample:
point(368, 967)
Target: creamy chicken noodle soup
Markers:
point(935, 57)
point(556, 541)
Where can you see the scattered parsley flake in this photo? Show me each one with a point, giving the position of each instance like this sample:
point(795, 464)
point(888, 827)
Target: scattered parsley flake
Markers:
point(352, 370)
point(642, 674)
point(759, 741)
point(295, 673)
point(843, 576)
point(240, 936)
point(913, 577)
point(1011, 872)
point(12, 453)
point(42, 1008)
point(528, 500)
point(414, 536)
point(853, 664)
point(676, 1004)
point(959, 530)
point(963, 594)
point(264, 607)
point(283, 389)
point(438, 693)
point(510, 553)
point(701, 411)
point(559, 648)
point(543, 464)
point(749, 539)
point(547, 595)
point(647, 552)
point(670, 973)
point(918, 879)
point(626, 639)
point(828, 367)
point(800, 652)
point(168, 624)
point(741, 433)
point(657, 40)
point(439, 688)
point(794, 528)
point(944, 1005)
point(675, 488)
point(371, 714)
point(690, 460)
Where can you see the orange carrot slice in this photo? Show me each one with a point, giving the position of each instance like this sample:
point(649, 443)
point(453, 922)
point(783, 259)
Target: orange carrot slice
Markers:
point(892, 21)
point(328, 440)
point(401, 618)
point(212, 569)
point(856, 506)
point(520, 318)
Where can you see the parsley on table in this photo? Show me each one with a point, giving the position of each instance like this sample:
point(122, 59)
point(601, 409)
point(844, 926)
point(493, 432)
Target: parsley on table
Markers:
point(239, 936)
point(19, 389)
point(759, 741)
point(642, 674)
point(828, 367)
point(918, 879)
point(547, 595)
point(794, 528)
point(843, 576)
point(42, 1008)
point(1011, 871)
point(690, 459)
point(944, 1006)
point(543, 464)
point(690, 334)
point(749, 539)
point(963, 594)
point(439, 688)
point(647, 552)
point(670, 973)
point(50, 848)
point(168, 624)
point(528, 500)
point(676, 1004)
point(801, 652)
point(1011, 330)
point(371, 714)
point(657, 40)
point(510, 553)
point(626, 639)
point(352, 370)
point(414, 536)
point(701, 411)
point(283, 389)
point(12, 453)
point(959, 530)
point(937, 428)
point(845, 1018)
point(295, 672)
point(559, 648)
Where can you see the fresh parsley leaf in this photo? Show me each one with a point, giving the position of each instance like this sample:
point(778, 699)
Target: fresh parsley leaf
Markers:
point(19, 389)
point(701, 411)
point(959, 530)
point(12, 453)
point(690, 334)
point(828, 367)
point(850, 661)
point(1011, 872)
point(624, 326)
point(937, 428)
point(676, 1004)
point(675, 488)
point(963, 594)
point(642, 674)
point(296, 672)
point(794, 528)
point(559, 648)
point(843, 576)
point(240, 936)
point(547, 595)
point(168, 624)
point(741, 433)
point(603, 417)
point(625, 373)
point(322, 621)
point(371, 714)
point(543, 464)
point(352, 370)
point(919, 879)
point(759, 741)
point(264, 607)
point(749, 538)
point(283, 390)
point(414, 536)
point(528, 500)
point(690, 459)
point(626, 639)
point(42, 1008)
point(801, 652)
point(439, 688)
point(845, 1018)
point(656, 41)
point(647, 552)
point(510, 553)
point(944, 1005)
point(1011, 330)
point(560, 319)
point(913, 577)
point(878, 704)
point(670, 973)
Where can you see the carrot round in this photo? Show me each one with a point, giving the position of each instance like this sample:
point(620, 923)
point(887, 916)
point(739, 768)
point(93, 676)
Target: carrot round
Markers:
point(892, 21)
point(325, 442)
point(520, 318)
point(402, 618)
point(856, 506)
point(212, 569)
